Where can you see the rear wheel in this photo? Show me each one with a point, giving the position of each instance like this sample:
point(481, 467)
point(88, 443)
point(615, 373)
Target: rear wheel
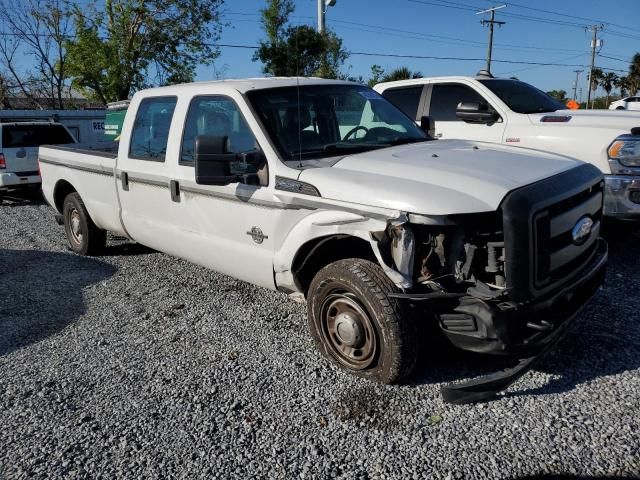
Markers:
point(357, 325)
point(83, 235)
point(620, 108)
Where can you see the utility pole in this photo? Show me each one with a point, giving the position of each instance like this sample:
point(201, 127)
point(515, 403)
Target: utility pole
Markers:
point(575, 84)
point(322, 10)
point(491, 23)
point(594, 44)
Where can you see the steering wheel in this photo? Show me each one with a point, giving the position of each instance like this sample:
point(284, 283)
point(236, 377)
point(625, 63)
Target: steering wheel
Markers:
point(354, 130)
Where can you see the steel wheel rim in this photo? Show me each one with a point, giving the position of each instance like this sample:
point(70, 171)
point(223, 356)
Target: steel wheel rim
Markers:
point(348, 330)
point(75, 226)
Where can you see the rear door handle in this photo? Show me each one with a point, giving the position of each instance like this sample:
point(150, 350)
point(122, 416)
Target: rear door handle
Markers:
point(124, 177)
point(174, 186)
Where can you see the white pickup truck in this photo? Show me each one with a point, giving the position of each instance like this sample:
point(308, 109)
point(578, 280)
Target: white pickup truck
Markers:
point(326, 191)
point(511, 112)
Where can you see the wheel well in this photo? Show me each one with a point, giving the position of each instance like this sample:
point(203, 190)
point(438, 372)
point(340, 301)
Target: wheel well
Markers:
point(60, 192)
point(320, 252)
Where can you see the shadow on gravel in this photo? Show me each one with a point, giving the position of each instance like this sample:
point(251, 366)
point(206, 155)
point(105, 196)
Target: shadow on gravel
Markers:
point(42, 293)
point(604, 341)
point(126, 249)
point(20, 198)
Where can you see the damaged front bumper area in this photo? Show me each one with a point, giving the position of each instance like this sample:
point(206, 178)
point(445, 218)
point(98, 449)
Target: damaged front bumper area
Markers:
point(501, 326)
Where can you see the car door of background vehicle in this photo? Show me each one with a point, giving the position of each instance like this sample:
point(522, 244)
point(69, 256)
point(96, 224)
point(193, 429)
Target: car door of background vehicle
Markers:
point(633, 103)
point(231, 228)
point(440, 105)
point(142, 175)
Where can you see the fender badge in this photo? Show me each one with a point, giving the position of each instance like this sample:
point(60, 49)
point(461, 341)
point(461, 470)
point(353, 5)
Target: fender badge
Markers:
point(257, 235)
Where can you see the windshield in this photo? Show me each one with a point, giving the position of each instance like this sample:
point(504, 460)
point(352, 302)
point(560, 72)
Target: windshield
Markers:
point(310, 122)
point(522, 97)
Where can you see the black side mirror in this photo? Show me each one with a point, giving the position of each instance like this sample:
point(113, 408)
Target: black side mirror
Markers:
point(476, 112)
point(427, 125)
point(213, 161)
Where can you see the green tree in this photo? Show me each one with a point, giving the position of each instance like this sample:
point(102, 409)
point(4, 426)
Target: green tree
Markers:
point(297, 50)
point(633, 78)
point(559, 95)
point(622, 84)
point(401, 73)
point(134, 44)
point(608, 80)
point(376, 75)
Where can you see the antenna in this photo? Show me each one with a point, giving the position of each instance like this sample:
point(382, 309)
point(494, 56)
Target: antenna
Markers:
point(299, 109)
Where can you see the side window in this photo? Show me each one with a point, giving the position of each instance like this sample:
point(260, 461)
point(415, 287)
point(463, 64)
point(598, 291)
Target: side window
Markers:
point(406, 99)
point(151, 129)
point(445, 99)
point(217, 116)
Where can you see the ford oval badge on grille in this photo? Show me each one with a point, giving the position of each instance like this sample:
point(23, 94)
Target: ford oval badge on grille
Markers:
point(582, 230)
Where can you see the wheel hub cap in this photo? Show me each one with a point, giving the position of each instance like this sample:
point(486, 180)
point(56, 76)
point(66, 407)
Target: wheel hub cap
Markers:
point(349, 330)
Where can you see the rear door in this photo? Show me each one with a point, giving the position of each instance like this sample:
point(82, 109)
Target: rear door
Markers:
point(441, 106)
point(142, 176)
point(20, 144)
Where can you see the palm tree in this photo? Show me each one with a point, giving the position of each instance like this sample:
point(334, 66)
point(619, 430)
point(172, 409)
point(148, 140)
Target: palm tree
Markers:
point(633, 78)
point(608, 80)
point(595, 77)
point(401, 73)
point(623, 84)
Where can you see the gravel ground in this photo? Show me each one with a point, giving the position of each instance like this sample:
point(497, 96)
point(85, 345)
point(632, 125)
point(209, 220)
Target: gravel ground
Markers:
point(139, 365)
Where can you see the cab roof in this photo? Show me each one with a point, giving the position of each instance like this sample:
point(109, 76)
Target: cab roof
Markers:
point(242, 85)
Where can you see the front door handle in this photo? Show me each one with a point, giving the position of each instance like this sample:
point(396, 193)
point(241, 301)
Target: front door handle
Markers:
point(174, 186)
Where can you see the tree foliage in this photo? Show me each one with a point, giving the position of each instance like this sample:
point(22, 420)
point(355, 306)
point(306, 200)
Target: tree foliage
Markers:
point(134, 44)
point(37, 29)
point(401, 73)
point(560, 95)
point(297, 50)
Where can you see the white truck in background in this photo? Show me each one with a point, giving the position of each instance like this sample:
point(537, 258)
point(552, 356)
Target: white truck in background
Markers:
point(511, 112)
point(324, 190)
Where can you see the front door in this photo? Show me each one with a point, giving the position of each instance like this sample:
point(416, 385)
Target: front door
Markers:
point(231, 228)
point(441, 109)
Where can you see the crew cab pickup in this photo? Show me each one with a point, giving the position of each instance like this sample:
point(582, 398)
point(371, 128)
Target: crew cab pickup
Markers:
point(19, 144)
point(326, 191)
point(512, 112)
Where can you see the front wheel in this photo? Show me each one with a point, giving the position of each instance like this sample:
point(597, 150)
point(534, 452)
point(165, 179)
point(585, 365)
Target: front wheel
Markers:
point(357, 325)
point(83, 235)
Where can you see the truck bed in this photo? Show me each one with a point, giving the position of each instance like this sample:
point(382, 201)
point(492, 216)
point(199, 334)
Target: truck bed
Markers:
point(92, 173)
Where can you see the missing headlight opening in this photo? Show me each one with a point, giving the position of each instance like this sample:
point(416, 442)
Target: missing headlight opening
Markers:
point(451, 258)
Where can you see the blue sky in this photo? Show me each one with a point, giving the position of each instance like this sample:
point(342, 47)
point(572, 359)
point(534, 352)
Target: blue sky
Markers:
point(427, 28)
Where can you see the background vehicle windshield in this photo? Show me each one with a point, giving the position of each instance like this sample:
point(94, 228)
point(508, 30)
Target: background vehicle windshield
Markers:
point(522, 97)
point(317, 121)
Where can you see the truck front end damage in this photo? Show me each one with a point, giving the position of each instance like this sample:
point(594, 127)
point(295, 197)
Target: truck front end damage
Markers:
point(507, 282)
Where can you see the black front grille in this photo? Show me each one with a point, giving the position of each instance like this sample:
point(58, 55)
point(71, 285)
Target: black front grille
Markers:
point(556, 253)
point(538, 221)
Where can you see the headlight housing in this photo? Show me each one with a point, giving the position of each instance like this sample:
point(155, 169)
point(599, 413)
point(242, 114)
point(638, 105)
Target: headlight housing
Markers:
point(626, 149)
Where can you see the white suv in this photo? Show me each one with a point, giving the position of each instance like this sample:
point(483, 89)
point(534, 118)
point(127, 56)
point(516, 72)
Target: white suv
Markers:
point(19, 144)
point(628, 103)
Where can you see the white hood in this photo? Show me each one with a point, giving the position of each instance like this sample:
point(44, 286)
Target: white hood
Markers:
point(435, 178)
point(623, 121)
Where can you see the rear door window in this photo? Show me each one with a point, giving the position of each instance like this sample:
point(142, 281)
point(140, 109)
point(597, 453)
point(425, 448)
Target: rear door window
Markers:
point(445, 98)
point(150, 133)
point(24, 136)
point(406, 99)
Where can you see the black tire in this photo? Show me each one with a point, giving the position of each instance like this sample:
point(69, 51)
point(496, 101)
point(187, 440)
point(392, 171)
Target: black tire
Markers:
point(378, 339)
point(619, 108)
point(82, 234)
